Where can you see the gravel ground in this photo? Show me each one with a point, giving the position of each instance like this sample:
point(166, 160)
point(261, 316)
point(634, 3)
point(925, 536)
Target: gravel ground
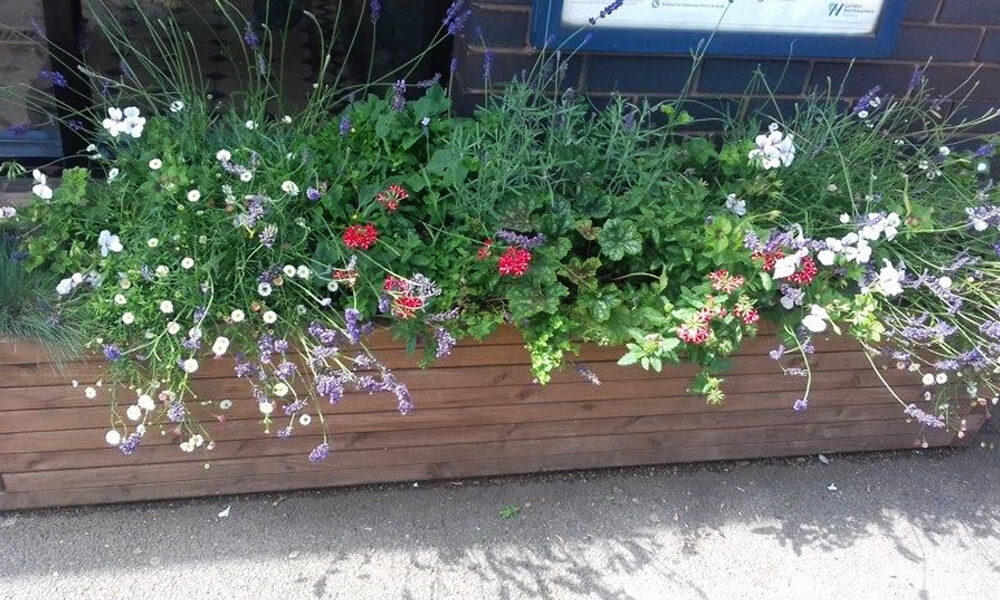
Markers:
point(914, 524)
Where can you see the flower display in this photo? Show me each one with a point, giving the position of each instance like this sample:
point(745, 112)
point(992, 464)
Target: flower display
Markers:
point(360, 236)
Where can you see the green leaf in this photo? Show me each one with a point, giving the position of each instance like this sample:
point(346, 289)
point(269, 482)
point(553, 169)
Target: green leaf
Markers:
point(619, 237)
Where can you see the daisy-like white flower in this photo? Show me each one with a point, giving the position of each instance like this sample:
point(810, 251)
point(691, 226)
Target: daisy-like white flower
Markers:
point(280, 389)
point(225, 404)
point(194, 196)
point(186, 446)
point(290, 188)
point(287, 120)
point(941, 378)
point(220, 346)
point(41, 188)
point(162, 271)
point(237, 316)
point(250, 125)
point(128, 318)
point(303, 272)
point(152, 242)
point(190, 365)
point(133, 412)
point(155, 164)
point(107, 243)
point(305, 420)
point(288, 270)
point(166, 307)
point(173, 328)
point(246, 176)
point(112, 437)
point(223, 155)
point(270, 317)
point(112, 174)
point(120, 299)
point(187, 262)
point(944, 150)
point(176, 106)
point(927, 379)
point(146, 402)
point(266, 408)
point(264, 289)
point(90, 392)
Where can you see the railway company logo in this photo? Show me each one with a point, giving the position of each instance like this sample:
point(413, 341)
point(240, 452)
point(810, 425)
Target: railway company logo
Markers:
point(835, 9)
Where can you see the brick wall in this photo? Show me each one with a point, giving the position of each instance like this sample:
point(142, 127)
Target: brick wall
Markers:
point(960, 35)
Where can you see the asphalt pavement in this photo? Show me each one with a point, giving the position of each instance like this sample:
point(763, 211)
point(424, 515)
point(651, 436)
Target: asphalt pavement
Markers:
point(910, 524)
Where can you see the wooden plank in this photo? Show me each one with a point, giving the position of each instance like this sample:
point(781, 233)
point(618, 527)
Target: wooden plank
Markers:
point(821, 419)
point(451, 469)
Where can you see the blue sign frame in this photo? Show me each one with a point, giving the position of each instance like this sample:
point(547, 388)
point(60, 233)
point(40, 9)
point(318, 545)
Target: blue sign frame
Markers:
point(547, 26)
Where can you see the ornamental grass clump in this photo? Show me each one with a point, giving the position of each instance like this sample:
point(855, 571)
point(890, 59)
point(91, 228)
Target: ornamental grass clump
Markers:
point(251, 238)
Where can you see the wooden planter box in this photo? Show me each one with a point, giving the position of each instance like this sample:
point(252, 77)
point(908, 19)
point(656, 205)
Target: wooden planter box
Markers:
point(476, 413)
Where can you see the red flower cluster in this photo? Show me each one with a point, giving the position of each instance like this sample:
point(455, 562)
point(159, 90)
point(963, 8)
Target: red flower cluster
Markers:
point(404, 304)
point(768, 258)
point(391, 197)
point(515, 262)
point(347, 277)
point(484, 250)
point(806, 273)
point(361, 236)
point(694, 334)
point(749, 316)
point(722, 281)
point(711, 310)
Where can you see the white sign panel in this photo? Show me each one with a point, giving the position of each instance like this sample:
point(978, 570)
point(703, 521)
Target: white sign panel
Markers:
point(801, 17)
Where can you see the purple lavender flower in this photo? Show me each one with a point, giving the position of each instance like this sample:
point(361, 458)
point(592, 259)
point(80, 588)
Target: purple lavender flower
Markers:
point(244, 368)
point(130, 444)
point(399, 95)
point(385, 302)
point(330, 387)
point(56, 78)
point(984, 151)
point(800, 404)
point(915, 80)
point(345, 125)
point(191, 343)
point(458, 23)
point(112, 352)
point(250, 37)
point(428, 83)
point(281, 345)
point(18, 129)
point(949, 364)
point(313, 194)
point(404, 399)
point(777, 353)
point(453, 66)
point(286, 370)
point(922, 417)
point(487, 65)
point(865, 102)
point(176, 412)
point(352, 322)
point(751, 241)
point(607, 11)
point(284, 433)
point(445, 342)
point(446, 316)
point(321, 452)
point(295, 407)
point(522, 241)
point(584, 371)
point(268, 235)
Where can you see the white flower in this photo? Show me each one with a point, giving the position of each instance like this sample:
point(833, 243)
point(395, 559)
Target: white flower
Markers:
point(146, 402)
point(152, 242)
point(280, 389)
point(162, 271)
point(845, 218)
point(176, 106)
point(112, 437)
point(128, 318)
point(982, 167)
point(187, 262)
point(892, 223)
point(133, 412)
point(90, 392)
point(246, 176)
point(816, 320)
point(250, 125)
point(784, 267)
point(198, 440)
point(289, 188)
point(287, 120)
point(826, 257)
point(773, 150)
point(944, 150)
point(220, 346)
point(303, 272)
point(333, 286)
point(945, 282)
point(64, 287)
point(108, 243)
point(194, 333)
point(166, 307)
point(186, 446)
point(270, 317)
point(190, 365)
point(120, 299)
point(266, 408)
point(737, 206)
point(7, 212)
point(978, 223)
point(237, 316)
point(173, 327)
point(225, 404)
point(889, 280)
point(40, 188)
point(305, 420)
point(194, 196)
point(862, 114)
point(223, 155)
point(129, 122)
point(288, 270)
point(264, 289)
point(941, 378)
point(155, 164)
point(928, 379)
